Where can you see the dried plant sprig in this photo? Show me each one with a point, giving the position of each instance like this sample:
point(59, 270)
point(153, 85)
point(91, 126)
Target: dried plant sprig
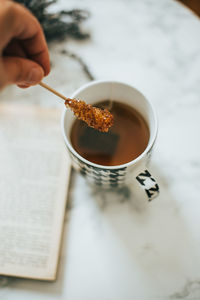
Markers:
point(59, 25)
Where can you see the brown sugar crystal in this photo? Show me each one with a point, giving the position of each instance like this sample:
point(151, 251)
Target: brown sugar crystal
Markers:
point(100, 119)
point(97, 118)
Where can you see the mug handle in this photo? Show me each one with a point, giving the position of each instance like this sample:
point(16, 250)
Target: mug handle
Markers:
point(148, 184)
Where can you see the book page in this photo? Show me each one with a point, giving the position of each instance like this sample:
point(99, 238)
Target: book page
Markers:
point(34, 177)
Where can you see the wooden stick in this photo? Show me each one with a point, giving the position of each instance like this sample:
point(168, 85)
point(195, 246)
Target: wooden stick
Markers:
point(44, 85)
point(100, 119)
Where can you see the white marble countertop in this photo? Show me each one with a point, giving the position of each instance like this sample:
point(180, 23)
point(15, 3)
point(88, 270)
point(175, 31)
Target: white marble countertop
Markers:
point(115, 248)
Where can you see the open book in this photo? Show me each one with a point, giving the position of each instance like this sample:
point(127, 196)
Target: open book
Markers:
point(34, 177)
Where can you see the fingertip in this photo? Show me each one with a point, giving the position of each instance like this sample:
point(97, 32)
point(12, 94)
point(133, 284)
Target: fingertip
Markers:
point(45, 64)
point(47, 71)
point(35, 76)
point(22, 71)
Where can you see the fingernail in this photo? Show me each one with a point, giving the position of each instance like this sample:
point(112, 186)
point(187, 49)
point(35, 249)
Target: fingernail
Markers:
point(23, 86)
point(34, 76)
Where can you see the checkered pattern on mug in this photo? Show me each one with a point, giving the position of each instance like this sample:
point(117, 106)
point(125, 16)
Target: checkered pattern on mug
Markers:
point(100, 176)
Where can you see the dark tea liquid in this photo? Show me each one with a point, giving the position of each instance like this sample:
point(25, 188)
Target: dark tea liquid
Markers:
point(124, 141)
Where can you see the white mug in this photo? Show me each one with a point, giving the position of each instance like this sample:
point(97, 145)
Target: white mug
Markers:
point(134, 172)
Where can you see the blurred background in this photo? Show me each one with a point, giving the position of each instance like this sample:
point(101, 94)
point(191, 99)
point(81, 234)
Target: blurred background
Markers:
point(192, 4)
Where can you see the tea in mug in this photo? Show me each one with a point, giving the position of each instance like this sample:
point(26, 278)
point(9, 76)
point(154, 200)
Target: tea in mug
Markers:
point(125, 140)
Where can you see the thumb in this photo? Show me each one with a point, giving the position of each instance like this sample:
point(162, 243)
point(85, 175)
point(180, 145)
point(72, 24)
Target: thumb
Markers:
point(21, 71)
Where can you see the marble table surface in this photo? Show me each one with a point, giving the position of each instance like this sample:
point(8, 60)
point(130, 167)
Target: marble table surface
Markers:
point(114, 247)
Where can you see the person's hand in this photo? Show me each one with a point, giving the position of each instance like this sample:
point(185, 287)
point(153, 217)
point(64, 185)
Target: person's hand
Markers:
point(24, 57)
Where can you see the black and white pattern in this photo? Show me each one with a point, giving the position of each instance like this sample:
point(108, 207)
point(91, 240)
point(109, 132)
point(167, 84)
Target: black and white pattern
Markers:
point(100, 176)
point(149, 184)
point(117, 178)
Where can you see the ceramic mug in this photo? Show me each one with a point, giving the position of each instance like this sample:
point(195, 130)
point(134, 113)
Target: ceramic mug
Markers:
point(134, 172)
